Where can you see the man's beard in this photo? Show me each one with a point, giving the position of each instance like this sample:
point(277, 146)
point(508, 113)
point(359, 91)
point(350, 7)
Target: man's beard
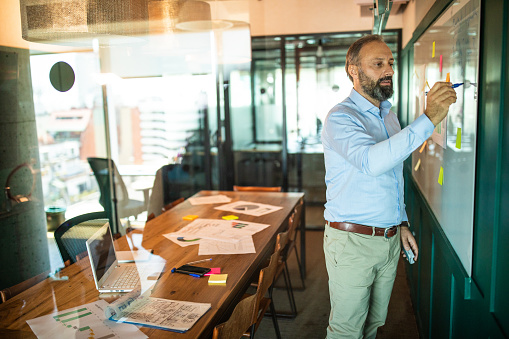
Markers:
point(374, 89)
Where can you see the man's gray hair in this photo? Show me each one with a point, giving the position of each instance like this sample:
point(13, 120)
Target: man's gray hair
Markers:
point(352, 56)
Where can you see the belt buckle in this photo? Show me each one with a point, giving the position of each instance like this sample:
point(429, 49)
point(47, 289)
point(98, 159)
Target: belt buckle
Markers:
point(386, 232)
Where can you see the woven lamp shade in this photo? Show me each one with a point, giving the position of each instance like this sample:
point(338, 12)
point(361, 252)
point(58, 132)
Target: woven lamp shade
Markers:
point(166, 15)
point(76, 20)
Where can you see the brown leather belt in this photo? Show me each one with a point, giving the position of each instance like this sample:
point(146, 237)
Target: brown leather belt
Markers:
point(362, 229)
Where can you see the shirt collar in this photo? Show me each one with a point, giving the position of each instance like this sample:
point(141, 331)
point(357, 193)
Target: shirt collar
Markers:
point(366, 106)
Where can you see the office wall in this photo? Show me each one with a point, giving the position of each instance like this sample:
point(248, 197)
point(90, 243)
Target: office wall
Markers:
point(270, 17)
point(448, 302)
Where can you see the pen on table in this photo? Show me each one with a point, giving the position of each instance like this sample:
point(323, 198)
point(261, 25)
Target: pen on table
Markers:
point(198, 261)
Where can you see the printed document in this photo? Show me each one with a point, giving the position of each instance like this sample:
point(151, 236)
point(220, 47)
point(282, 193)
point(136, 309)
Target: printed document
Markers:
point(212, 247)
point(218, 229)
point(172, 315)
point(82, 322)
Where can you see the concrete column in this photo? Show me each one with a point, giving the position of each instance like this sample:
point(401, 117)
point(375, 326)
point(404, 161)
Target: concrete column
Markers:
point(23, 240)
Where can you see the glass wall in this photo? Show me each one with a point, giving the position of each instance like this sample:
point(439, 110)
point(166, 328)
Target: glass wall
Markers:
point(295, 81)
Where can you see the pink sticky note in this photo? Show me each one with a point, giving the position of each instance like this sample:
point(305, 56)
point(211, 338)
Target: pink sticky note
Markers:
point(440, 63)
point(214, 270)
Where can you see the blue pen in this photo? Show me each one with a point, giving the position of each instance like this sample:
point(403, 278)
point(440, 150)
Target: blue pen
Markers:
point(453, 86)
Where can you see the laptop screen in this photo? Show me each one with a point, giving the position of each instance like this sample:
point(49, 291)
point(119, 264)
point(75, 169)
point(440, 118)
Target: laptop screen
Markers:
point(102, 251)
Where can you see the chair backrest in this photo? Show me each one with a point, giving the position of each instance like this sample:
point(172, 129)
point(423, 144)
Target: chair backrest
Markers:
point(294, 220)
point(72, 235)
point(178, 182)
point(173, 204)
point(265, 280)
point(239, 321)
point(101, 172)
point(282, 240)
point(12, 291)
point(256, 189)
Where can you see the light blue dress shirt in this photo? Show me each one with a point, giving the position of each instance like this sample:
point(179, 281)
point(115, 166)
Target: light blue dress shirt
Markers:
point(364, 149)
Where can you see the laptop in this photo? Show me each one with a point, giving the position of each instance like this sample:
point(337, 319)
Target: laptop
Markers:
point(109, 275)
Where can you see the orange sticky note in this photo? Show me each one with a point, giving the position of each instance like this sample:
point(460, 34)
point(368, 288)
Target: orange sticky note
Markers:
point(422, 147)
point(441, 176)
point(433, 52)
point(458, 138)
point(448, 77)
point(190, 217)
point(230, 217)
point(417, 165)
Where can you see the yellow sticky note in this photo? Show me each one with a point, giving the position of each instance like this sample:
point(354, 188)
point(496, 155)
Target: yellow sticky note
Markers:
point(417, 165)
point(423, 146)
point(458, 138)
point(218, 279)
point(433, 52)
point(448, 77)
point(230, 217)
point(190, 217)
point(441, 176)
point(428, 85)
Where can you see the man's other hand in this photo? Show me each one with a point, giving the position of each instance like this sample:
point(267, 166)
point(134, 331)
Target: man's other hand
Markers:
point(440, 97)
point(408, 241)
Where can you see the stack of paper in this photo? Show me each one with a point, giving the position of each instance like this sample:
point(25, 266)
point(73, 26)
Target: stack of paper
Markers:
point(217, 236)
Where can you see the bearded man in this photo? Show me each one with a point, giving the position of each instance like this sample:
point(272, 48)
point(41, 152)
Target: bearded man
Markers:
point(364, 150)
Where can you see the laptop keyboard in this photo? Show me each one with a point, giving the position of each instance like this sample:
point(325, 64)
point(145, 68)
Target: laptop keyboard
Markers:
point(127, 279)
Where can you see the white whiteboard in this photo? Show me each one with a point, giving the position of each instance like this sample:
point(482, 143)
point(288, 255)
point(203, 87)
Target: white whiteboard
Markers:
point(450, 45)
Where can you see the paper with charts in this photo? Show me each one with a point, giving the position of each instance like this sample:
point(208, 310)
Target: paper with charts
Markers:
point(218, 229)
point(172, 315)
point(250, 208)
point(87, 321)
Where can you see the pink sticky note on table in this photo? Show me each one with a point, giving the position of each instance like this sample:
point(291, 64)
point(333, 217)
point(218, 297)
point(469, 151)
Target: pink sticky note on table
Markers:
point(214, 270)
point(440, 63)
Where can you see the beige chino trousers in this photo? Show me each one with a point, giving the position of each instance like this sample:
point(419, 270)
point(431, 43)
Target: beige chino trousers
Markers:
point(361, 270)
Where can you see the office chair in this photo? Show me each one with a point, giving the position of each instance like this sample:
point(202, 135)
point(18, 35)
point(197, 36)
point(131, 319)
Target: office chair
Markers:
point(72, 235)
point(172, 184)
point(8, 293)
point(125, 207)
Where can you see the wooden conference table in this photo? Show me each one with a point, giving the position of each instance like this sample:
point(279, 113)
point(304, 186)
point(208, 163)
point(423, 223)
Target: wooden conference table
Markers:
point(51, 296)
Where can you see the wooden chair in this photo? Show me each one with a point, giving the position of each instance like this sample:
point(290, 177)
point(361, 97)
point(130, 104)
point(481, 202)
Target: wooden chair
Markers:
point(172, 204)
point(249, 312)
point(265, 284)
point(151, 216)
point(256, 189)
point(239, 321)
point(10, 292)
point(293, 225)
